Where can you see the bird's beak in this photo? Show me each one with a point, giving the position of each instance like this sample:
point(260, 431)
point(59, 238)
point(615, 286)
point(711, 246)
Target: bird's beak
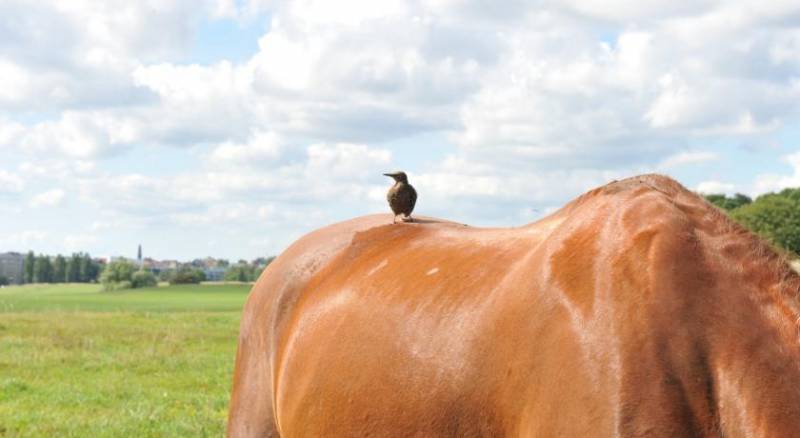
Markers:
point(390, 174)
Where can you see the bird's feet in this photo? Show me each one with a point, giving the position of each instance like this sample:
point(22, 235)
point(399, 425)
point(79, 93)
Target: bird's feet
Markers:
point(407, 218)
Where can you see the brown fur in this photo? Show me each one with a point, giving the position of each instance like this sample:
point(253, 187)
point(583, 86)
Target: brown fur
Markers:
point(636, 310)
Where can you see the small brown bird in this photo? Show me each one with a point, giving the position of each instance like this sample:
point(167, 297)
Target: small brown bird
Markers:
point(401, 197)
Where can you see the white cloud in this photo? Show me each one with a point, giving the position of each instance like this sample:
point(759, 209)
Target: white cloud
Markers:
point(541, 89)
point(345, 161)
point(23, 239)
point(15, 84)
point(98, 45)
point(50, 198)
point(775, 182)
point(324, 177)
point(714, 187)
point(260, 147)
point(100, 226)
point(76, 134)
point(9, 132)
point(10, 182)
point(536, 103)
point(623, 11)
point(689, 157)
point(79, 242)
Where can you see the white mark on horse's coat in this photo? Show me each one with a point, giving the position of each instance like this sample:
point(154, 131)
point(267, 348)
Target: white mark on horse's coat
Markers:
point(432, 271)
point(377, 268)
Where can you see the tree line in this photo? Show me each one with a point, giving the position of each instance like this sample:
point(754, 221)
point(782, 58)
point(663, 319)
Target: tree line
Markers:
point(76, 268)
point(773, 216)
point(244, 271)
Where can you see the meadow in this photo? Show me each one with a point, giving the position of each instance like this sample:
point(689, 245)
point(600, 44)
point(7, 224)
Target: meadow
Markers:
point(76, 361)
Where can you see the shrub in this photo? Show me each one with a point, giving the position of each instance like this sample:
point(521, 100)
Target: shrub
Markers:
point(117, 285)
point(166, 275)
point(239, 272)
point(143, 278)
point(728, 203)
point(774, 216)
point(3, 280)
point(187, 276)
point(118, 275)
point(123, 285)
point(120, 270)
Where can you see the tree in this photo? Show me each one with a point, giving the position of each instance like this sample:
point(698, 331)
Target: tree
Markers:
point(263, 262)
point(88, 270)
point(187, 275)
point(166, 275)
point(235, 273)
point(73, 268)
point(143, 278)
point(3, 280)
point(118, 275)
point(42, 270)
point(59, 269)
point(774, 216)
point(242, 272)
point(30, 261)
point(727, 203)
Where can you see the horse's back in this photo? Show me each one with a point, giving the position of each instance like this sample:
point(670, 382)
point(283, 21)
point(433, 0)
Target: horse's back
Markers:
point(437, 329)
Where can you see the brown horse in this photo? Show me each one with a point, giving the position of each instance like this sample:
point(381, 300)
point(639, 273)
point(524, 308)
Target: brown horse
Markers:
point(636, 310)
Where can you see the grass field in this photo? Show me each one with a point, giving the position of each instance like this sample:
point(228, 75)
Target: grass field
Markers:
point(75, 361)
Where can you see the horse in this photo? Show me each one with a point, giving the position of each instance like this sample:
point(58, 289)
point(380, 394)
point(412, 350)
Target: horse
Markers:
point(638, 309)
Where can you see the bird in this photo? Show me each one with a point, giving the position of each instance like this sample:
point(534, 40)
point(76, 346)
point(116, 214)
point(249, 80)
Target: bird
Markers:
point(402, 197)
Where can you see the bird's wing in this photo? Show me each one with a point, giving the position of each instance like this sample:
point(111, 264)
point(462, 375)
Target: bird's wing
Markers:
point(413, 195)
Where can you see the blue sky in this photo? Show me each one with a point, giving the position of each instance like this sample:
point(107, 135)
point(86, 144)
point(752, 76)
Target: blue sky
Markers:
point(230, 128)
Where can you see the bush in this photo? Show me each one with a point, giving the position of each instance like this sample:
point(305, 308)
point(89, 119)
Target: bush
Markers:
point(774, 216)
point(117, 285)
point(238, 272)
point(118, 275)
point(3, 280)
point(143, 278)
point(166, 275)
point(727, 203)
point(187, 276)
point(120, 270)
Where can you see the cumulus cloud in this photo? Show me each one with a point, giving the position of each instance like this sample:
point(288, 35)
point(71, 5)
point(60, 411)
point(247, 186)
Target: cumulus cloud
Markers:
point(79, 242)
point(260, 147)
point(10, 182)
point(98, 44)
point(23, 239)
point(344, 161)
point(771, 182)
point(685, 158)
point(714, 187)
point(535, 103)
point(50, 198)
point(543, 89)
point(324, 175)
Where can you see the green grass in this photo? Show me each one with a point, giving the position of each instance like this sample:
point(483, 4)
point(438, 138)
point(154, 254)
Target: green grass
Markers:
point(75, 361)
point(89, 297)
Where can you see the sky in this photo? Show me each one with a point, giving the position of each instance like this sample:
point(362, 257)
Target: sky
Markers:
point(230, 128)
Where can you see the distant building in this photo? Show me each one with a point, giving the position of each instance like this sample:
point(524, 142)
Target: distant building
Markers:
point(162, 265)
point(12, 267)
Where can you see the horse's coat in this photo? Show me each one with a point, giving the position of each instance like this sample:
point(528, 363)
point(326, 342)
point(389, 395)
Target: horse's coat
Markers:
point(636, 310)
